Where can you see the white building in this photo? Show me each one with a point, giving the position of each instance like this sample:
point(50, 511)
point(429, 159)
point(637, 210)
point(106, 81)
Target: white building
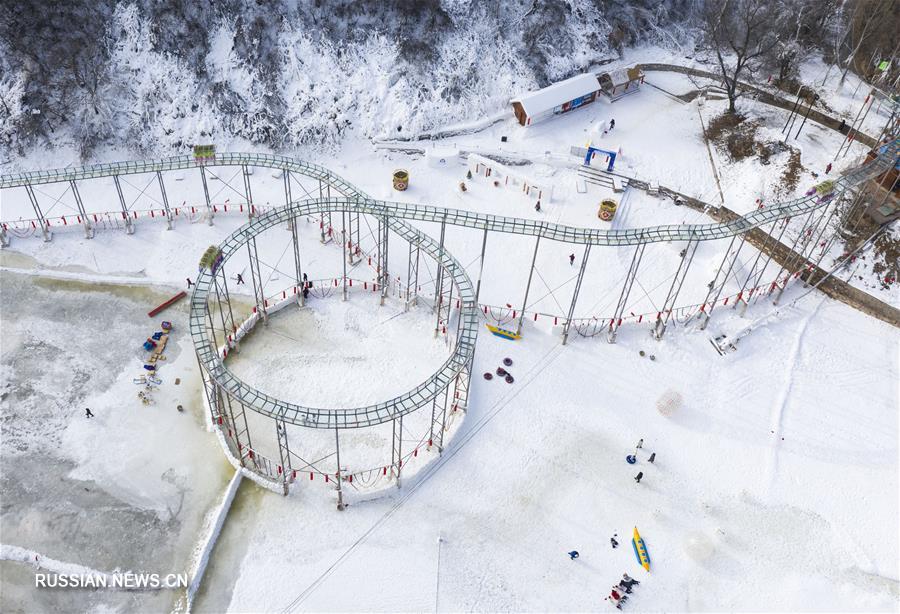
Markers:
point(554, 99)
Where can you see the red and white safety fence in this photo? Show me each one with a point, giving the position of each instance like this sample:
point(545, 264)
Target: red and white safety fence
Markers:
point(114, 219)
point(359, 479)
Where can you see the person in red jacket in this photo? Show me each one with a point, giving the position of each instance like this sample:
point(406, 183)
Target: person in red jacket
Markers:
point(617, 598)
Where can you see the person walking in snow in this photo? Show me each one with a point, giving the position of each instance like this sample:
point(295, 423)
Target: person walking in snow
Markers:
point(638, 477)
point(640, 444)
point(628, 582)
point(828, 168)
point(653, 457)
point(613, 542)
point(571, 259)
point(240, 279)
point(88, 413)
point(612, 124)
point(537, 206)
point(189, 282)
point(573, 555)
point(306, 286)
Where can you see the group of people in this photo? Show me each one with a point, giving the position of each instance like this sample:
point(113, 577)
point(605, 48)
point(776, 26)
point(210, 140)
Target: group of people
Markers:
point(618, 595)
point(632, 458)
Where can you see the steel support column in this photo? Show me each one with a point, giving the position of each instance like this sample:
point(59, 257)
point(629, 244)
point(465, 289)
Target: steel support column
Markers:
point(384, 275)
point(630, 276)
point(662, 318)
point(344, 255)
point(286, 175)
point(45, 227)
point(226, 330)
point(129, 223)
point(321, 216)
point(170, 220)
point(817, 242)
point(284, 453)
point(445, 308)
point(397, 447)
point(88, 229)
point(755, 277)
point(579, 279)
point(298, 271)
point(209, 211)
point(230, 328)
point(481, 266)
point(721, 278)
point(437, 425)
point(337, 450)
point(248, 193)
point(537, 244)
point(412, 276)
point(439, 277)
point(802, 237)
point(259, 294)
point(798, 256)
point(461, 388)
point(353, 240)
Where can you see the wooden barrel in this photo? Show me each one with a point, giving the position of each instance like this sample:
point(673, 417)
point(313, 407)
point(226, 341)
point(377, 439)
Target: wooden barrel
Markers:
point(607, 209)
point(401, 179)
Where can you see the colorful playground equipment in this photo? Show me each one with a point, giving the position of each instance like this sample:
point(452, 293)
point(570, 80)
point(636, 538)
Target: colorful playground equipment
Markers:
point(401, 179)
point(503, 333)
point(640, 550)
point(607, 209)
point(592, 151)
point(156, 345)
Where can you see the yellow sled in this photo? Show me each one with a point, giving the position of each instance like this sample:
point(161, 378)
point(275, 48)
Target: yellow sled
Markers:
point(502, 332)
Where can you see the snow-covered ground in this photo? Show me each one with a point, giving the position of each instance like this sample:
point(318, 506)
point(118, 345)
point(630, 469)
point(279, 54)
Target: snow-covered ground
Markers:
point(774, 487)
point(775, 476)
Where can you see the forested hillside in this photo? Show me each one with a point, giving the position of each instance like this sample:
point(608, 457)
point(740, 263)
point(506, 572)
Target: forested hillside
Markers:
point(153, 76)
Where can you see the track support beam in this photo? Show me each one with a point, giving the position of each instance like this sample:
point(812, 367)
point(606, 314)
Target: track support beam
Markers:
point(630, 276)
point(580, 278)
point(662, 318)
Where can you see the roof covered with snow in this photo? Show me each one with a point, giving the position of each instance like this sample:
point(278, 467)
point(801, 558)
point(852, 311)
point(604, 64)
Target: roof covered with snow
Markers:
point(554, 95)
point(622, 75)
